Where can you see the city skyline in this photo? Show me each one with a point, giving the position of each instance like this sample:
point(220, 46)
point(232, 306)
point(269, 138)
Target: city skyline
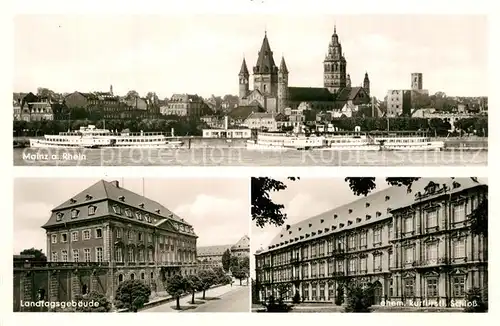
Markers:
point(212, 206)
point(142, 52)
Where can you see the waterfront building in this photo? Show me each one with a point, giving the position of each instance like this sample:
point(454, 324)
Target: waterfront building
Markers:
point(101, 237)
point(186, 105)
point(210, 257)
point(398, 102)
point(272, 92)
point(227, 132)
point(411, 246)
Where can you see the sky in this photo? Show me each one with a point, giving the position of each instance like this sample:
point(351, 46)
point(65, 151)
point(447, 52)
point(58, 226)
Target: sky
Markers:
point(216, 208)
point(202, 54)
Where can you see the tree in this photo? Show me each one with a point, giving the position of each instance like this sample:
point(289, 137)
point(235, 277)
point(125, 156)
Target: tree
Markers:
point(176, 287)
point(132, 295)
point(359, 299)
point(234, 263)
point(239, 274)
point(131, 95)
point(207, 279)
point(479, 219)
point(245, 264)
point(93, 302)
point(193, 285)
point(38, 253)
point(476, 300)
point(264, 210)
point(226, 256)
point(296, 298)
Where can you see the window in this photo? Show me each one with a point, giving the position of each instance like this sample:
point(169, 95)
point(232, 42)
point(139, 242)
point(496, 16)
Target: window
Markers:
point(64, 255)
point(141, 255)
point(363, 265)
point(390, 231)
point(352, 242)
point(54, 238)
point(352, 266)
point(459, 248)
point(458, 284)
point(363, 239)
point(118, 233)
point(139, 236)
point(76, 255)
point(74, 236)
point(150, 255)
point(432, 253)
point(117, 209)
point(409, 287)
point(74, 213)
point(99, 254)
point(377, 262)
point(305, 272)
point(409, 224)
point(150, 238)
point(409, 255)
point(98, 233)
point(86, 254)
point(118, 254)
point(131, 257)
point(432, 219)
point(330, 246)
point(130, 235)
point(432, 287)
point(377, 236)
point(313, 250)
point(138, 215)
point(86, 234)
point(389, 259)
point(92, 210)
point(54, 256)
point(59, 217)
point(459, 213)
point(128, 212)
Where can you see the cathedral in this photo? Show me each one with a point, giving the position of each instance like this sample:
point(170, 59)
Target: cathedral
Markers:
point(272, 92)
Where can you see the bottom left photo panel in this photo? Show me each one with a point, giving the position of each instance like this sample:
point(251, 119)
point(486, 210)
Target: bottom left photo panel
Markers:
point(131, 245)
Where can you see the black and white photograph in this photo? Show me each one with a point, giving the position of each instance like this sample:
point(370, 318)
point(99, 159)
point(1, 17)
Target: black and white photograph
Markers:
point(131, 245)
point(250, 90)
point(363, 244)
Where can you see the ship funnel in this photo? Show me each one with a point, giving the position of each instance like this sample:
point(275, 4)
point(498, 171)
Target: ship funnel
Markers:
point(226, 122)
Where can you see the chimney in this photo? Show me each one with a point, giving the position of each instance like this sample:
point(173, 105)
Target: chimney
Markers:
point(115, 183)
point(226, 122)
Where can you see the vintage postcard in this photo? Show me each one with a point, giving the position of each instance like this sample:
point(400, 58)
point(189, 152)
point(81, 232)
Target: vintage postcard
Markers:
point(128, 245)
point(378, 245)
point(250, 90)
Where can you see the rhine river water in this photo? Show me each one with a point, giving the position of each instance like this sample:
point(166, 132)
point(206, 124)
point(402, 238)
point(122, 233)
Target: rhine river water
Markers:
point(242, 157)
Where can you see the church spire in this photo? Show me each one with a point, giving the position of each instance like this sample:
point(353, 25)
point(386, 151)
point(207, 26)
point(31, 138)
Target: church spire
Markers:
point(283, 68)
point(244, 69)
point(265, 62)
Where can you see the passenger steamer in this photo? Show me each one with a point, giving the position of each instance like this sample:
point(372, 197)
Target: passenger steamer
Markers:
point(345, 141)
point(91, 137)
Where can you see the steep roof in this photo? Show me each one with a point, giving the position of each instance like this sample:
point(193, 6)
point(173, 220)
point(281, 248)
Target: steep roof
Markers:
point(310, 94)
point(212, 250)
point(349, 93)
point(244, 69)
point(365, 210)
point(265, 62)
point(243, 243)
point(260, 115)
point(243, 111)
point(104, 190)
point(283, 68)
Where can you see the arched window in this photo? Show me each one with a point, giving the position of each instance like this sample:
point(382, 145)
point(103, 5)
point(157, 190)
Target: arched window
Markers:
point(132, 276)
point(120, 278)
point(84, 289)
point(142, 276)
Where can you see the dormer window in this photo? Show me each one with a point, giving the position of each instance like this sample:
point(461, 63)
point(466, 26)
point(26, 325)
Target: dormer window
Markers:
point(59, 217)
point(141, 205)
point(367, 205)
point(157, 211)
point(74, 213)
point(358, 220)
point(128, 212)
point(72, 200)
point(92, 210)
point(122, 198)
point(289, 232)
point(117, 209)
point(281, 235)
point(138, 215)
point(88, 197)
point(349, 222)
point(147, 218)
point(387, 198)
point(341, 225)
point(379, 214)
point(350, 210)
point(335, 216)
point(322, 221)
point(310, 225)
point(300, 229)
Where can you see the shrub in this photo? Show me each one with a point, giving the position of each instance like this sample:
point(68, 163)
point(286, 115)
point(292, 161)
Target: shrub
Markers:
point(296, 297)
point(93, 302)
point(476, 301)
point(358, 299)
point(276, 306)
point(339, 299)
point(132, 295)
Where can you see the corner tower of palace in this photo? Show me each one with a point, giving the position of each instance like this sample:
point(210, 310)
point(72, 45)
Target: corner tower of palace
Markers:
point(272, 93)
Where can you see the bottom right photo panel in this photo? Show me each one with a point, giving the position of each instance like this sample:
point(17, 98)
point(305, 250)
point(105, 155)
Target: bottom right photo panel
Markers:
point(362, 244)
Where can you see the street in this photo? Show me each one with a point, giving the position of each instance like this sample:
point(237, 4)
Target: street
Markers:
point(221, 299)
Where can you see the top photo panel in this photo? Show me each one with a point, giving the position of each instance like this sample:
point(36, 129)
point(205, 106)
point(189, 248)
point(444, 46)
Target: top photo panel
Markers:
point(250, 90)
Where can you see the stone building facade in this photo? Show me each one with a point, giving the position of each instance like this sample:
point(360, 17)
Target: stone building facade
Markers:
point(211, 256)
point(411, 246)
point(102, 236)
point(272, 91)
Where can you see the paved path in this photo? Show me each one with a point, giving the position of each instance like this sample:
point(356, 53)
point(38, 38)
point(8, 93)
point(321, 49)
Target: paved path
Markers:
point(232, 298)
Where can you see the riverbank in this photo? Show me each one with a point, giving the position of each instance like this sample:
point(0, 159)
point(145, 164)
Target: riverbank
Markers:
point(469, 143)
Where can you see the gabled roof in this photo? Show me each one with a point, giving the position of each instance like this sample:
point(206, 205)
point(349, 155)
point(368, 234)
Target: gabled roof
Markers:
point(350, 93)
point(104, 191)
point(365, 210)
point(260, 115)
point(243, 243)
point(242, 112)
point(310, 94)
point(212, 250)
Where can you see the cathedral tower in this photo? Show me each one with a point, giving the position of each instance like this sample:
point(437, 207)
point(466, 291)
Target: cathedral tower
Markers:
point(244, 79)
point(282, 86)
point(265, 72)
point(334, 77)
point(366, 84)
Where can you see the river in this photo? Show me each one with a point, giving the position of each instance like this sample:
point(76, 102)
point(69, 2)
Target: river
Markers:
point(242, 157)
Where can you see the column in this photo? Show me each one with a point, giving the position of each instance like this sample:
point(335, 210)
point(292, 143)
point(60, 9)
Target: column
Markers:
point(53, 291)
point(75, 284)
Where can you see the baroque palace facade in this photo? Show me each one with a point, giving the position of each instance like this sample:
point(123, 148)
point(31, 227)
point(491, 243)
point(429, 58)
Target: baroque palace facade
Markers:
point(211, 256)
point(272, 92)
point(412, 246)
point(102, 236)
